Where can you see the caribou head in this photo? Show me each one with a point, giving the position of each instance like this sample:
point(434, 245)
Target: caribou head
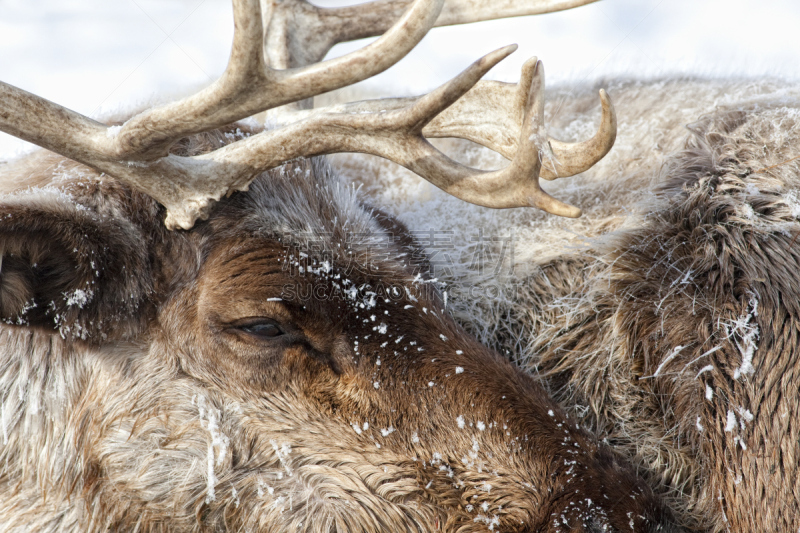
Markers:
point(285, 363)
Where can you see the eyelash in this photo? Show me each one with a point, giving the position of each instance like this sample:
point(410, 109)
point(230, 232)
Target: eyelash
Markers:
point(264, 329)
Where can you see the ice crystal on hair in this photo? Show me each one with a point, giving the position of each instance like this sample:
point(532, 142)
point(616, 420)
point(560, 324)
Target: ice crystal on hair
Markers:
point(744, 332)
point(78, 297)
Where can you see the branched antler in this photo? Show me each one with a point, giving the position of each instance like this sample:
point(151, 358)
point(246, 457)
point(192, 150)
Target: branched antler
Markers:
point(248, 85)
point(269, 68)
point(301, 33)
point(492, 114)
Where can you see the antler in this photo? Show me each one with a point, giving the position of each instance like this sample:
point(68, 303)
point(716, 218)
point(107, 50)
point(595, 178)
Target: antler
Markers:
point(301, 33)
point(248, 85)
point(137, 152)
point(492, 114)
point(398, 134)
point(481, 116)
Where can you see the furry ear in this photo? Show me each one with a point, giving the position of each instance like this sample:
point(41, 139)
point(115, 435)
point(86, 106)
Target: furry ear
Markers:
point(82, 271)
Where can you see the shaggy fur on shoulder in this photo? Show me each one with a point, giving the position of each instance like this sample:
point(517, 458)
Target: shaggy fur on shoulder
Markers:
point(683, 337)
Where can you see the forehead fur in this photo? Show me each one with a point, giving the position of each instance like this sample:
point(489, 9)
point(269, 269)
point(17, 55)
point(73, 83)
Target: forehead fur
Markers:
point(306, 206)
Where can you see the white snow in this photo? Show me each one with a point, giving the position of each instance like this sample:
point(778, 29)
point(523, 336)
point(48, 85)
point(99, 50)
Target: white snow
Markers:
point(78, 297)
point(113, 131)
point(745, 414)
point(745, 332)
point(282, 450)
point(667, 359)
point(730, 423)
point(706, 368)
point(793, 202)
point(218, 442)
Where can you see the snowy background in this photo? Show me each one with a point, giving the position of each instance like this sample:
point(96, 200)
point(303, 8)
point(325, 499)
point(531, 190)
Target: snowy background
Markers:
point(100, 56)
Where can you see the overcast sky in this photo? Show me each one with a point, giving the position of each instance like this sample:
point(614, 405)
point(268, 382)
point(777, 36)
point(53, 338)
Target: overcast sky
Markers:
point(97, 56)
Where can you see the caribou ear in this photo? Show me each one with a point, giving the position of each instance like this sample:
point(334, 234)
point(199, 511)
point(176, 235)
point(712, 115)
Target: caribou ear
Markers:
point(78, 270)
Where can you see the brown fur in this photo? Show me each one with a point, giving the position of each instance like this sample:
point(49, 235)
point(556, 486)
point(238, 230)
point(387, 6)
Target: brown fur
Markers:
point(697, 315)
point(667, 320)
point(137, 395)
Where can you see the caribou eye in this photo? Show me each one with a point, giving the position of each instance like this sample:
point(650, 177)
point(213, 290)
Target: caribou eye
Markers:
point(262, 330)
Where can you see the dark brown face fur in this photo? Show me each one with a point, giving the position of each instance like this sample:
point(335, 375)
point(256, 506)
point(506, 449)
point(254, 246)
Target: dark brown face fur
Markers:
point(399, 362)
point(326, 387)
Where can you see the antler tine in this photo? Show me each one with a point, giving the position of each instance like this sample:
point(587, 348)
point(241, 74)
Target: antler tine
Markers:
point(495, 126)
point(573, 158)
point(398, 135)
point(492, 114)
point(247, 87)
point(517, 185)
point(467, 11)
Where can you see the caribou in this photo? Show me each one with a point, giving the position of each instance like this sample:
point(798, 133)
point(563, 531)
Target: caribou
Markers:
point(164, 365)
point(180, 356)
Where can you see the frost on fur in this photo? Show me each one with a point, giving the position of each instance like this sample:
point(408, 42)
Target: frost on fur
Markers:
point(671, 303)
point(744, 333)
point(166, 387)
point(290, 364)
